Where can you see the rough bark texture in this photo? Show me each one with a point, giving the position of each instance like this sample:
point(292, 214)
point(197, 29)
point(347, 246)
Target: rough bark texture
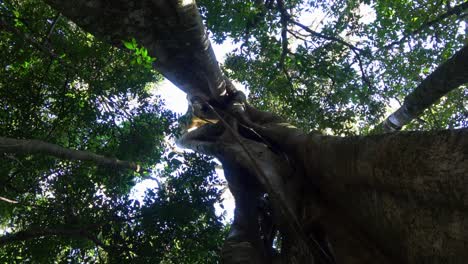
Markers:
point(253, 168)
point(405, 192)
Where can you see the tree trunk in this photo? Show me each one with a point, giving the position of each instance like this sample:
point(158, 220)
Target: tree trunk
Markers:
point(397, 198)
point(405, 192)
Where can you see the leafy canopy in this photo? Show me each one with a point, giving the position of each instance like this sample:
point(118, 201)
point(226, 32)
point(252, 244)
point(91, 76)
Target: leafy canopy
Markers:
point(335, 66)
point(60, 85)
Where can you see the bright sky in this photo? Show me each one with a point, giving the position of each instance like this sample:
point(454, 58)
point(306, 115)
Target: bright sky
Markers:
point(175, 98)
point(176, 101)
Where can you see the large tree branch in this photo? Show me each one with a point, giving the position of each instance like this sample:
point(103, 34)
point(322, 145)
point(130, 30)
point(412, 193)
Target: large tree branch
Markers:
point(32, 146)
point(448, 76)
point(172, 31)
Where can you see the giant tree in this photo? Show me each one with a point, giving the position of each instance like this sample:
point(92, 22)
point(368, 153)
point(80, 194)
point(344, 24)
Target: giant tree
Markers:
point(300, 195)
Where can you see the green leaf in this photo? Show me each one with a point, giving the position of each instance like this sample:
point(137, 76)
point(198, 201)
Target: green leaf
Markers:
point(131, 45)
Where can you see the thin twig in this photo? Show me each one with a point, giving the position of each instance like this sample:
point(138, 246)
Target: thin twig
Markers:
point(51, 29)
point(284, 31)
point(323, 36)
point(8, 200)
point(285, 17)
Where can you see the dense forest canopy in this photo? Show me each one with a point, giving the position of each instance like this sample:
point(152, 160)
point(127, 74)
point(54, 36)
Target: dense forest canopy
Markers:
point(327, 66)
point(340, 68)
point(62, 86)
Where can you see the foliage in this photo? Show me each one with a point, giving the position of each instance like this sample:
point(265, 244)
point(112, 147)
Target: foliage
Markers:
point(61, 85)
point(174, 224)
point(335, 66)
point(141, 54)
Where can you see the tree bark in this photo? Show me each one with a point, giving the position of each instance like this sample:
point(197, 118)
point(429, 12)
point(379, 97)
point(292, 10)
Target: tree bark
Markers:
point(405, 192)
point(392, 198)
point(32, 146)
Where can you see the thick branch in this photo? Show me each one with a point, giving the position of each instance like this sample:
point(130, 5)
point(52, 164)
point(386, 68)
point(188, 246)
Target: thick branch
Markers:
point(448, 76)
point(23, 146)
point(172, 31)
